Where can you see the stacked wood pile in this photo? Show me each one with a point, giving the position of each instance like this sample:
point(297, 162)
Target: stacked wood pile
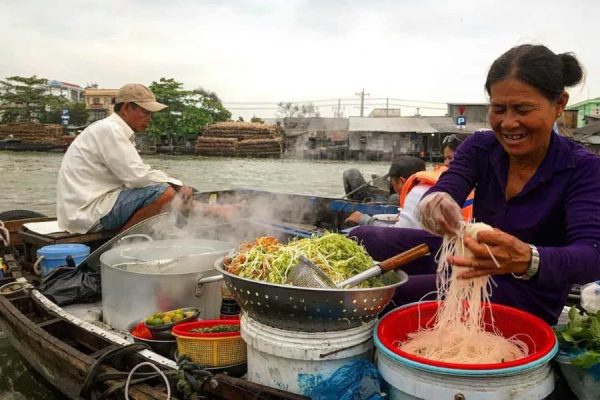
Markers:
point(32, 133)
point(241, 139)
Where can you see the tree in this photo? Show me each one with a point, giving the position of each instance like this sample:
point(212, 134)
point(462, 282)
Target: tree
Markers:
point(78, 115)
point(257, 120)
point(23, 99)
point(292, 110)
point(188, 110)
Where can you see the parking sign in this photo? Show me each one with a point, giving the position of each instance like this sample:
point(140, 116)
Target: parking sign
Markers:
point(461, 120)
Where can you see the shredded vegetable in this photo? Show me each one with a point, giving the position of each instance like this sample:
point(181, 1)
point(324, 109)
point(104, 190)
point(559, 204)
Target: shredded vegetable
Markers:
point(269, 260)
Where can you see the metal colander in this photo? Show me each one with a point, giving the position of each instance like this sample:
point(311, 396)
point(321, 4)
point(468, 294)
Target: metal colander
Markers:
point(310, 309)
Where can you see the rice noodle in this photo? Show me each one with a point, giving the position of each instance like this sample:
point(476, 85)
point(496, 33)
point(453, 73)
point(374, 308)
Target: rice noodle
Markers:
point(459, 334)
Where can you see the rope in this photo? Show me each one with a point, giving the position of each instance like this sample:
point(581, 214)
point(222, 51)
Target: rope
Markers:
point(89, 379)
point(156, 369)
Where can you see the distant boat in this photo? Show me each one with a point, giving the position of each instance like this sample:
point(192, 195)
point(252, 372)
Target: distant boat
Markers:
point(18, 145)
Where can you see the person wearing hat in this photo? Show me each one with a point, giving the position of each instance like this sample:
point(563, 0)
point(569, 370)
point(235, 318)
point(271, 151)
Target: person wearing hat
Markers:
point(103, 182)
point(401, 169)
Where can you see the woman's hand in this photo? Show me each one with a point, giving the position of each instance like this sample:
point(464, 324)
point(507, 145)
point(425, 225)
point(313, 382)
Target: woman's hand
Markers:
point(439, 213)
point(512, 255)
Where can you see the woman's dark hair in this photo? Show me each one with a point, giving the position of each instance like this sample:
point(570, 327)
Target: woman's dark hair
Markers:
point(451, 141)
point(539, 67)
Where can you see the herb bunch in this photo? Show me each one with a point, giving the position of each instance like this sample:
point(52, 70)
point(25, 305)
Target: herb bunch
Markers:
point(582, 332)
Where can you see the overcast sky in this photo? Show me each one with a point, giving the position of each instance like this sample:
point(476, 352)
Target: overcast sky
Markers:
point(254, 51)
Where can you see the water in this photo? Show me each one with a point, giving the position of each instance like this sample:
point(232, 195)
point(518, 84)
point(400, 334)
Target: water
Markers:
point(28, 182)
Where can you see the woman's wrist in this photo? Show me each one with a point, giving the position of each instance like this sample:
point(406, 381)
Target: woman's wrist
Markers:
point(532, 267)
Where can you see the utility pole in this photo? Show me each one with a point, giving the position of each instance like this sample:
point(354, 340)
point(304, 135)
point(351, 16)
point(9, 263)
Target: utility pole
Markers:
point(362, 101)
point(387, 106)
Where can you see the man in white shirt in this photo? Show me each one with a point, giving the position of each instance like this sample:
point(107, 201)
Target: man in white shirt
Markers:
point(103, 182)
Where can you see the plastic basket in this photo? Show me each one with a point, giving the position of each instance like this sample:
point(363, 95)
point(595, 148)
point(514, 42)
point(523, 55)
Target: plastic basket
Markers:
point(210, 349)
point(534, 332)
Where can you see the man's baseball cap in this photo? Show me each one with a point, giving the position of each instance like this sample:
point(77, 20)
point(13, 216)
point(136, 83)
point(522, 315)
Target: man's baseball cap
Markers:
point(140, 95)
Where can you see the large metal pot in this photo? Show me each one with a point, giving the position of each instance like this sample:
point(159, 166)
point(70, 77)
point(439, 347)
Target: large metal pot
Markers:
point(141, 278)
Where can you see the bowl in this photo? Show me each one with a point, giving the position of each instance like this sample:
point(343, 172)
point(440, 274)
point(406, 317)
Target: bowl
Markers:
point(163, 331)
point(165, 348)
point(12, 289)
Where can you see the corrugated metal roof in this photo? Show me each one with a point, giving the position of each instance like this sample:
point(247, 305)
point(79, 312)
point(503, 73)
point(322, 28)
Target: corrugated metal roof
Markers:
point(327, 124)
point(394, 124)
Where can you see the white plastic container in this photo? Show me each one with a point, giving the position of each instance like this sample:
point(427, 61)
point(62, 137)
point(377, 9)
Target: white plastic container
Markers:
point(584, 383)
point(298, 361)
point(406, 383)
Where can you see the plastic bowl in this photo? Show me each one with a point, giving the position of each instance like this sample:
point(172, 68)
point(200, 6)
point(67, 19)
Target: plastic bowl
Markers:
point(397, 324)
point(163, 331)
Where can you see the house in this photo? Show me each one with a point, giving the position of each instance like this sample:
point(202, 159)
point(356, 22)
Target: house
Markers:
point(386, 138)
point(316, 138)
point(589, 136)
point(584, 108)
point(68, 91)
point(99, 103)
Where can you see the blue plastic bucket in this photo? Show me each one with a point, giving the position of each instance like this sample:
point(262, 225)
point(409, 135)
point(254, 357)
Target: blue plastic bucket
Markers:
point(55, 255)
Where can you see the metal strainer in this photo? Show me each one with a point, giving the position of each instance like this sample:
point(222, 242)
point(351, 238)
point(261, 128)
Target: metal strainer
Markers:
point(310, 309)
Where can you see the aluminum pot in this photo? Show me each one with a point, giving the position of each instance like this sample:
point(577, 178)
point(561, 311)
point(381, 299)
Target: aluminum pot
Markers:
point(160, 275)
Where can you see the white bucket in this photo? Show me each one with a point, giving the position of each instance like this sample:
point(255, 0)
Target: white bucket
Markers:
point(584, 383)
point(298, 361)
point(406, 383)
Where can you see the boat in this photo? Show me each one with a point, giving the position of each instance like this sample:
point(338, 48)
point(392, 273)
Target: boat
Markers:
point(83, 359)
point(18, 145)
point(87, 360)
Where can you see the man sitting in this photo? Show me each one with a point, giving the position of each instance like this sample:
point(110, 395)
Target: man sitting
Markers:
point(103, 182)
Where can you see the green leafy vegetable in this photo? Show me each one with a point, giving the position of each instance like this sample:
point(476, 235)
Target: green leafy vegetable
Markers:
point(268, 260)
point(581, 333)
point(217, 329)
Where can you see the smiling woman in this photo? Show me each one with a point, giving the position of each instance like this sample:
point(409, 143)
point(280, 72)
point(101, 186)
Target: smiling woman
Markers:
point(539, 190)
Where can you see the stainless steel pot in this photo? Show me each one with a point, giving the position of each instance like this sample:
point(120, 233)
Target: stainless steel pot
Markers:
point(160, 275)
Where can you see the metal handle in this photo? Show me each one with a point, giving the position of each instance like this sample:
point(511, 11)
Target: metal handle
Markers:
point(36, 266)
point(134, 236)
point(387, 265)
point(202, 281)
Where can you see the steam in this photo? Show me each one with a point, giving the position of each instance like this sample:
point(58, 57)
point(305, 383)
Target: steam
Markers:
point(235, 218)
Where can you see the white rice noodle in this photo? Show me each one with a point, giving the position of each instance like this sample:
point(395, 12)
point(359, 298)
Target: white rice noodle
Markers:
point(458, 334)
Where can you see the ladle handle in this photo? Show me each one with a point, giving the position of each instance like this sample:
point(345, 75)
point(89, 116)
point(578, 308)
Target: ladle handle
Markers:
point(404, 258)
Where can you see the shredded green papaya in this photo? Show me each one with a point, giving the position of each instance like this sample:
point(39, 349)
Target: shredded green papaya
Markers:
point(269, 260)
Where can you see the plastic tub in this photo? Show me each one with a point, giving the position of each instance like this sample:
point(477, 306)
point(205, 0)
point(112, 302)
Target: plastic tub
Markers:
point(55, 255)
point(585, 383)
point(410, 377)
point(297, 361)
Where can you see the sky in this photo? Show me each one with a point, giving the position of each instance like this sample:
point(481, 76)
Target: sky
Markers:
point(255, 54)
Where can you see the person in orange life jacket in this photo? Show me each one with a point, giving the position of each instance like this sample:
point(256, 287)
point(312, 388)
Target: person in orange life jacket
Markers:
point(400, 170)
point(412, 189)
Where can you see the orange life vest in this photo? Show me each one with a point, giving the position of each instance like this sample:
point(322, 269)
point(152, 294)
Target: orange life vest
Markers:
point(431, 178)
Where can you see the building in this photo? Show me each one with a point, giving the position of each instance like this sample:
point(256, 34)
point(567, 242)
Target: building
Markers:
point(473, 112)
point(386, 138)
point(385, 112)
point(99, 103)
point(589, 136)
point(69, 91)
point(585, 108)
point(316, 138)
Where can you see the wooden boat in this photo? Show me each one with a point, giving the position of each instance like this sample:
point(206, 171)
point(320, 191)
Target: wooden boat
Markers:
point(77, 357)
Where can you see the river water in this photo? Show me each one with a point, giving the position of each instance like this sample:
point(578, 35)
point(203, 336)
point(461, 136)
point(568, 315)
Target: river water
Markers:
point(28, 182)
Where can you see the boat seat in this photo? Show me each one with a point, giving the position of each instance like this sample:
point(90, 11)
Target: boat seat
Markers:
point(38, 234)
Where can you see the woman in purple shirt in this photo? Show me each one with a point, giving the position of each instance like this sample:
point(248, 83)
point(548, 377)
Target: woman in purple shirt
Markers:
point(540, 191)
